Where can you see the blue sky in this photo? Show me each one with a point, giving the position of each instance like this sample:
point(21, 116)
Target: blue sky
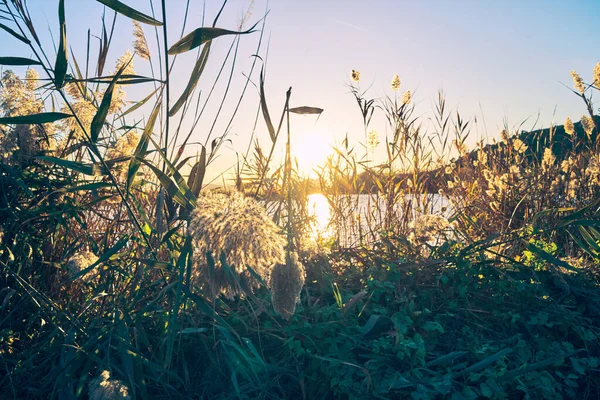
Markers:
point(497, 61)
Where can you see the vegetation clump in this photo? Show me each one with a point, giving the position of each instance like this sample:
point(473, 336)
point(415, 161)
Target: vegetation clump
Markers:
point(442, 272)
point(231, 233)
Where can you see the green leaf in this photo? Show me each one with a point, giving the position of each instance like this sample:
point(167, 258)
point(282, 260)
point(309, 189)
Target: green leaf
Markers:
point(446, 359)
point(202, 35)
point(140, 150)
point(306, 110)
point(102, 113)
point(86, 169)
point(194, 77)
point(138, 104)
point(544, 255)
point(18, 61)
point(130, 12)
point(486, 362)
point(171, 187)
point(60, 67)
point(41, 118)
point(15, 34)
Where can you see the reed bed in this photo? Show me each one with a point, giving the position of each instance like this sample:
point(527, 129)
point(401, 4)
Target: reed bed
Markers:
point(471, 273)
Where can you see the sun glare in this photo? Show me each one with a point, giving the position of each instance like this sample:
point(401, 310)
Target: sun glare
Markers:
point(320, 212)
point(310, 151)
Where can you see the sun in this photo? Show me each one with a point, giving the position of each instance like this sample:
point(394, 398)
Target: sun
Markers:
point(310, 150)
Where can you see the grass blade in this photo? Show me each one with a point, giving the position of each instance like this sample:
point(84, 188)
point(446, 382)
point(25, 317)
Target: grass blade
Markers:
point(41, 118)
point(306, 110)
point(130, 12)
point(202, 35)
point(102, 113)
point(198, 174)
point(15, 34)
point(60, 67)
point(264, 108)
point(18, 61)
point(140, 150)
point(194, 77)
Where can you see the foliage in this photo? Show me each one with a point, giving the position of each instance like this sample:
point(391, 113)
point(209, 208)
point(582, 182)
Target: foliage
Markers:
point(122, 275)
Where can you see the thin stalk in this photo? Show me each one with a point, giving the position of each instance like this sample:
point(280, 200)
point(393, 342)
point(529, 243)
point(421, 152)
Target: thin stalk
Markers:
point(166, 80)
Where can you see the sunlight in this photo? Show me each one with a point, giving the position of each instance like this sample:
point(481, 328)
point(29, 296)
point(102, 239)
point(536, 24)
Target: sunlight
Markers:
point(320, 212)
point(310, 150)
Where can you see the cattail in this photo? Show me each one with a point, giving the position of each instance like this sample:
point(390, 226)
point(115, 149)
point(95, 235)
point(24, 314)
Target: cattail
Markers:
point(578, 82)
point(588, 124)
point(80, 262)
point(406, 97)
point(395, 83)
point(105, 388)
point(240, 228)
point(140, 45)
point(569, 127)
point(355, 75)
point(286, 284)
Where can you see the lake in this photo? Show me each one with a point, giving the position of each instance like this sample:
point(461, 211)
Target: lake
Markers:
point(364, 215)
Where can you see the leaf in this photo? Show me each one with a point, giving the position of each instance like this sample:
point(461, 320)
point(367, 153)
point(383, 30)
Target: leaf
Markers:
point(130, 12)
point(140, 150)
point(32, 119)
point(86, 169)
point(102, 113)
point(306, 110)
point(202, 35)
point(199, 170)
point(60, 67)
point(486, 362)
point(15, 34)
point(170, 186)
point(446, 359)
point(194, 77)
point(544, 255)
point(138, 104)
point(18, 61)
point(263, 107)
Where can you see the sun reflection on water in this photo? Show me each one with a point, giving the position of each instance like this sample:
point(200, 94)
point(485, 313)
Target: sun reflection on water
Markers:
point(320, 212)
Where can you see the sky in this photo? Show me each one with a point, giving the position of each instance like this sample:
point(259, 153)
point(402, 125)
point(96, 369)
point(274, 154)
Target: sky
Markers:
point(499, 62)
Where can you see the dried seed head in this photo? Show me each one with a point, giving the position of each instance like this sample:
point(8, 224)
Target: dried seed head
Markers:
point(588, 124)
point(406, 98)
point(569, 127)
point(519, 146)
point(373, 139)
point(286, 284)
point(125, 59)
point(597, 75)
point(82, 261)
point(105, 388)
point(240, 228)
point(396, 83)
point(578, 82)
point(140, 45)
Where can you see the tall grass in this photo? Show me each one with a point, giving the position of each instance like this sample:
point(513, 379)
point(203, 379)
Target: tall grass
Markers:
point(122, 275)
